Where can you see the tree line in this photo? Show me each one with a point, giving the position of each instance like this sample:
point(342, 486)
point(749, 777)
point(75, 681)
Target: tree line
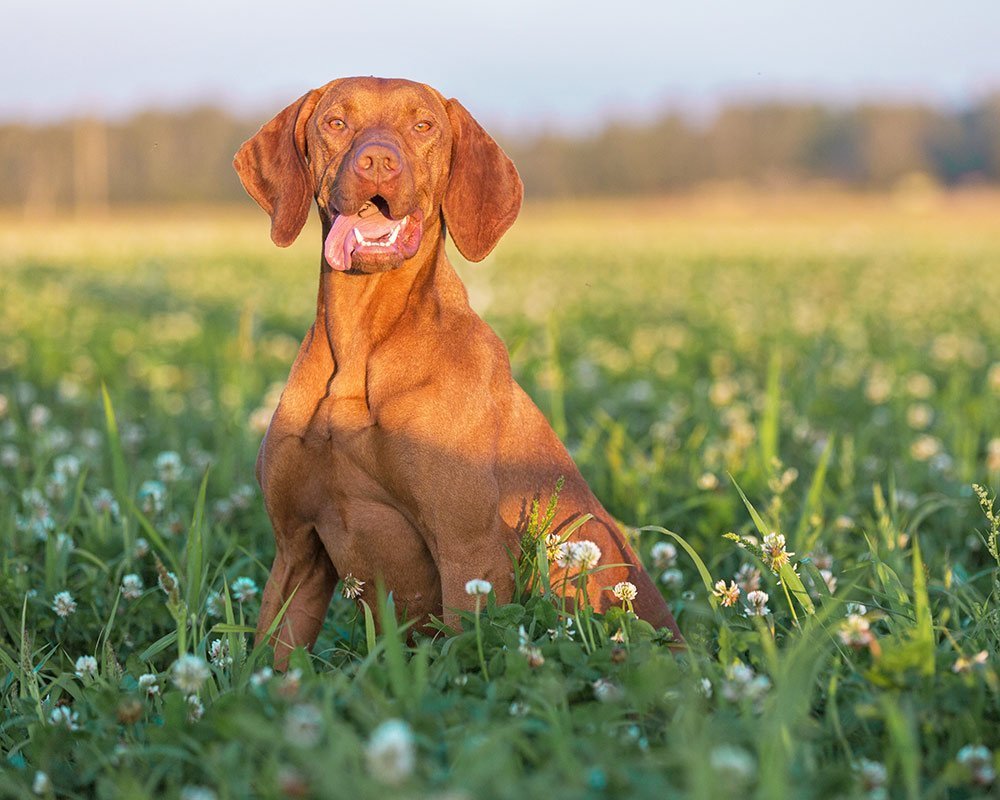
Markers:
point(184, 157)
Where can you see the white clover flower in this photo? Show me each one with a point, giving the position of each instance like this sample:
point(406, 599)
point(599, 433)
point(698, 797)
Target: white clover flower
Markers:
point(586, 554)
point(733, 764)
point(86, 667)
point(858, 609)
point(215, 605)
point(242, 497)
point(66, 466)
point(727, 596)
point(189, 672)
point(65, 716)
point(672, 579)
point(830, 579)
point(304, 725)
point(774, 552)
point(607, 691)
point(149, 684)
point(141, 548)
point(152, 497)
point(261, 676)
point(104, 503)
point(63, 604)
point(478, 587)
point(39, 416)
point(244, 589)
point(131, 586)
point(757, 604)
point(196, 708)
point(978, 760)
point(856, 632)
point(390, 752)
point(873, 775)
point(90, 438)
point(169, 466)
point(625, 591)
point(195, 792)
point(706, 687)
point(353, 587)
point(10, 457)
point(708, 482)
point(664, 555)
point(742, 683)
point(41, 784)
point(56, 487)
point(218, 653)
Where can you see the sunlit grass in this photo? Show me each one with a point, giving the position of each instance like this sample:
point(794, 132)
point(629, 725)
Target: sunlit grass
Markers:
point(836, 359)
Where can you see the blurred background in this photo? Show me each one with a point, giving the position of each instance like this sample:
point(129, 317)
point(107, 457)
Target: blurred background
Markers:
point(112, 105)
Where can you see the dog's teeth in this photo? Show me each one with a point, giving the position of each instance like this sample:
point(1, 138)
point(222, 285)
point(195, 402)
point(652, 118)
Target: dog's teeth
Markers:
point(395, 233)
point(358, 236)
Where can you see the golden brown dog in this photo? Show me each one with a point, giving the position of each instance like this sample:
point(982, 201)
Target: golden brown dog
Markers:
point(402, 449)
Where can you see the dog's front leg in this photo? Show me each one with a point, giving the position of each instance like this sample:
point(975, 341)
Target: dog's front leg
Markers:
point(302, 571)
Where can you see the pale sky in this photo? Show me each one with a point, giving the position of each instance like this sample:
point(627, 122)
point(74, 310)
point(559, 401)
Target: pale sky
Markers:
point(513, 62)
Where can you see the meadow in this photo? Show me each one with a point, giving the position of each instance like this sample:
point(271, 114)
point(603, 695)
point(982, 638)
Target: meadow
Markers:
point(835, 359)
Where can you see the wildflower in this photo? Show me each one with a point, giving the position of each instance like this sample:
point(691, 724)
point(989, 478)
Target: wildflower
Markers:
point(304, 725)
point(104, 503)
point(708, 482)
point(733, 764)
point(586, 555)
point(978, 760)
point(563, 630)
point(86, 667)
point(856, 608)
point(478, 587)
point(241, 497)
point(167, 581)
point(518, 708)
point(873, 776)
point(261, 676)
point(195, 792)
point(925, 447)
point(626, 592)
point(672, 578)
point(774, 552)
point(963, 664)
point(90, 438)
point(56, 487)
point(532, 654)
point(553, 546)
point(63, 604)
point(149, 683)
point(757, 604)
point(706, 687)
point(844, 523)
point(829, 579)
point(189, 673)
point(290, 683)
point(131, 586)
point(390, 752)
point(196, 709)
point(222, 510)
point(39, 416)
point(141, 548)
point(215, 605)
point(152, 497)
point(67, 466)
point(169, 466)
point(742, 683)
point(41, 784)
point(664, 555)
point(65, 716)
point(919, 416)
point(10, 457)
point(607, 691)
point(747, 578)
point(855, 632)
point(353, 587)
point(244, 589)
point(727, 597)
point(218, 653)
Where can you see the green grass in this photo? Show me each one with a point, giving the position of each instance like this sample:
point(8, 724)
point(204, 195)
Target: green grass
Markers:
point(838, 362)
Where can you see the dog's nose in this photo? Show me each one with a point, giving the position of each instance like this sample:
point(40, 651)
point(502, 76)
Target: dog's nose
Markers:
point(377, 161)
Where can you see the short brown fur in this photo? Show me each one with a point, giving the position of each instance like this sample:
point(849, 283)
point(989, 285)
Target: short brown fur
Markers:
point(402, 449)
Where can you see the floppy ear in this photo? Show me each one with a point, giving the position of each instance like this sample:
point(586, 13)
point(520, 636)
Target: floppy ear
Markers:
point(484, 190)
point(272, 168)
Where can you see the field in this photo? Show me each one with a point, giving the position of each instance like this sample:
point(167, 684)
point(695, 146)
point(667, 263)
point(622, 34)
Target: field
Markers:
point(835, 358)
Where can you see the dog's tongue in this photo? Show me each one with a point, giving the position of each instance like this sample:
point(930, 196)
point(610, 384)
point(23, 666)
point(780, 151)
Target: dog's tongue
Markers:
point(341, 241)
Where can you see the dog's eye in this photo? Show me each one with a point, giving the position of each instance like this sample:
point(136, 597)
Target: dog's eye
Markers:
point(336, 123)
point(422, 126)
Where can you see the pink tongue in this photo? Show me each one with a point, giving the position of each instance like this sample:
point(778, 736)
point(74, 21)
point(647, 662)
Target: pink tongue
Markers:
point(341, 241)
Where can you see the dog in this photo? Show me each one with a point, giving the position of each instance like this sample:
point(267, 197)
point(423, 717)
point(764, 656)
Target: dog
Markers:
point(402, 451)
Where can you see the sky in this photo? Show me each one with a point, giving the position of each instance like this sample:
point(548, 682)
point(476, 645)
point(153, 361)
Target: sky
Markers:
point(518, 63)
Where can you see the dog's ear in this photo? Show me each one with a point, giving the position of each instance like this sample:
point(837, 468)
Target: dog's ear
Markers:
point(272, 168)
point(484, 190)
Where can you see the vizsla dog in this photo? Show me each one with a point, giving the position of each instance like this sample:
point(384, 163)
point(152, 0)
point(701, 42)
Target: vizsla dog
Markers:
point(402, 449)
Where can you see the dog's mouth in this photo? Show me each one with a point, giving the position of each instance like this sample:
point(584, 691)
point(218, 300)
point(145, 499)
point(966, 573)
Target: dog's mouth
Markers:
point(371, 240)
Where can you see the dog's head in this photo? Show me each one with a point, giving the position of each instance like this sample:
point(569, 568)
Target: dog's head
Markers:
point(385, 160)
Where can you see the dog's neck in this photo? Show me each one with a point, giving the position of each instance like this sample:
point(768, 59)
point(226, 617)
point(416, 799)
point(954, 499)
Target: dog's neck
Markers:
point(357, 313)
